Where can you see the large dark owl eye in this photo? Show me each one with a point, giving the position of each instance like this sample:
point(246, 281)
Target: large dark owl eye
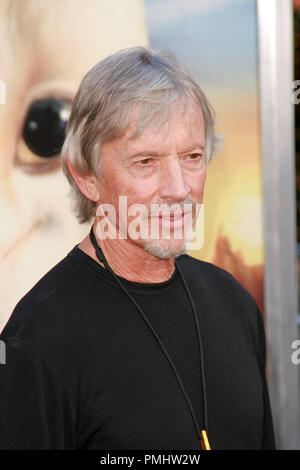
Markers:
point(44, 127)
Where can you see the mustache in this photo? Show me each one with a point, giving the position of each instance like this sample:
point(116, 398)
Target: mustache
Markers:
point(176, 208)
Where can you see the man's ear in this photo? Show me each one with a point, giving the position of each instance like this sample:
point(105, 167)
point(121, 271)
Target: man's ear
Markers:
point(87, 183)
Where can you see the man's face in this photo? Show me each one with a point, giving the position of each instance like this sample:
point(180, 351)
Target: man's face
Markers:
point(162, 166)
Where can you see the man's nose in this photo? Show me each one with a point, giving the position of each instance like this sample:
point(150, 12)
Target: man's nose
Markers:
point(173, 182)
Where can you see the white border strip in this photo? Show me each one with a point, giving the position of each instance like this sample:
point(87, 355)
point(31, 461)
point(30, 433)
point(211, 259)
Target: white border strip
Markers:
point(275, 30)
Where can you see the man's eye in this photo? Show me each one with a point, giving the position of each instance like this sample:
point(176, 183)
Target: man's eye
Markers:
point(195, 156)
point(145, 161)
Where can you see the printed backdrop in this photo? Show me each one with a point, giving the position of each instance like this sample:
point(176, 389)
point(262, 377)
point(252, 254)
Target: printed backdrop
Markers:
point(217, 41)
point(47, 47)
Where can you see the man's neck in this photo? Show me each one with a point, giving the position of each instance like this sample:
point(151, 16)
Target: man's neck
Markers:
point(129, 260)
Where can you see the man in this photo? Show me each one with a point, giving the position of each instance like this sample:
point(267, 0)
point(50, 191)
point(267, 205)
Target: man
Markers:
point(126, 344)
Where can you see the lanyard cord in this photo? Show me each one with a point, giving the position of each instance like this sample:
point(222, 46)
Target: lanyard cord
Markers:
point(201, 354)
point(202, 437)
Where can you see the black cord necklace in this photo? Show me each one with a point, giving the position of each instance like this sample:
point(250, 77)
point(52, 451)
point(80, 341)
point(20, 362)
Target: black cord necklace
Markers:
point(202, 433)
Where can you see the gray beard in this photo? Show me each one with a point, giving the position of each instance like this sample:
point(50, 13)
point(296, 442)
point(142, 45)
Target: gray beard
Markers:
point(164, 252)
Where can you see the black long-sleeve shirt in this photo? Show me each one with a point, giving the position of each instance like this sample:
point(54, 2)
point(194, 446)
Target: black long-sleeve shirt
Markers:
point(83, 370)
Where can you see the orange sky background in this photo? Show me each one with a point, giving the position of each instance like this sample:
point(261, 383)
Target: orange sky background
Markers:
point(217, 42)
point(233, 194)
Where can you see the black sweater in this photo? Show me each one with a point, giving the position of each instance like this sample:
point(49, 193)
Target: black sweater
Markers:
point(83, 370)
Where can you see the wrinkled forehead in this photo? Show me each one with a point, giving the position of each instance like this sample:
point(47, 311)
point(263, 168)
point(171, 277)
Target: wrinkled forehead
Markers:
point(181, 127)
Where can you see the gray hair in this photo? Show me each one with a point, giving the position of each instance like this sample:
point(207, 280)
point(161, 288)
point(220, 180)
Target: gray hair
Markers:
point(103, 107)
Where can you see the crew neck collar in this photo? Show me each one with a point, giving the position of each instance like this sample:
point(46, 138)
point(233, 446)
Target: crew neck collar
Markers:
point(139, 287)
